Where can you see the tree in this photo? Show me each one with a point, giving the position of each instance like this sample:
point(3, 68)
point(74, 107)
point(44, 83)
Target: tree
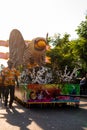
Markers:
point(60, 55)
point(82, 40)
point(56, 40)
point(82, 29)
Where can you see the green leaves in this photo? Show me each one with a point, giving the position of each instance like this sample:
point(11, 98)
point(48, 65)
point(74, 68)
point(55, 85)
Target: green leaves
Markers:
point(82, 29)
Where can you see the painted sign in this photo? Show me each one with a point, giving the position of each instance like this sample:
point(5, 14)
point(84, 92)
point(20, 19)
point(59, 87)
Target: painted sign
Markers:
point(45, 93)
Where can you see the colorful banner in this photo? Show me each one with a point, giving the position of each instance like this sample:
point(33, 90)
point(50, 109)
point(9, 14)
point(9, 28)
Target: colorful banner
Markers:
point(48, 93)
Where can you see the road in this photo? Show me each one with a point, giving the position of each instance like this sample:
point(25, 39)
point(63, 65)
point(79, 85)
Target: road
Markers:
point(44, 118)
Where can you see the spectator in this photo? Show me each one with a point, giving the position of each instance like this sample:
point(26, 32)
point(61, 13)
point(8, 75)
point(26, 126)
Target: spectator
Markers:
point(10, 76)
point(1, 86)
point(83, 85)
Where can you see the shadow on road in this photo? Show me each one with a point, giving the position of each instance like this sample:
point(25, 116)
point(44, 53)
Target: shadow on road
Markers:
point(47, 118)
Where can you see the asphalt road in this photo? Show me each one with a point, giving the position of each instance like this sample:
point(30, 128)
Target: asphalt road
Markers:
point(44, 118)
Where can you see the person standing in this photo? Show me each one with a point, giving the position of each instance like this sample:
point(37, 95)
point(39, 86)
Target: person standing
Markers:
point(1, 86)
point(83, 85)
point(10, 78)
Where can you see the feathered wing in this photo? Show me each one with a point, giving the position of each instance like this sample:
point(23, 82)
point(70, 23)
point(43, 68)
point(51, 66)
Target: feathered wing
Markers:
point(16, 47)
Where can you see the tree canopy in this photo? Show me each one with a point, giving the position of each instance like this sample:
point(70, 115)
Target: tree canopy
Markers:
point(72, 53)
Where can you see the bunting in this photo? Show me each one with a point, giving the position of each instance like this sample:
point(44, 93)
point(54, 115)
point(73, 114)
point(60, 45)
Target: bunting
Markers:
point(4, 52)
point(4, 43)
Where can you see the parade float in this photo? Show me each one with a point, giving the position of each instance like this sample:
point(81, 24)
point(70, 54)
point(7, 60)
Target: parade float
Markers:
point(36, 81)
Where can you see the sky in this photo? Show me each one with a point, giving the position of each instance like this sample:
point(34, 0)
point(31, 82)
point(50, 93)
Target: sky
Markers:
point(35, 18)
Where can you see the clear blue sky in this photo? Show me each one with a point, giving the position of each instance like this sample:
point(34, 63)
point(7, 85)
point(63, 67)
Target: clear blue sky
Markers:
point(37, 17)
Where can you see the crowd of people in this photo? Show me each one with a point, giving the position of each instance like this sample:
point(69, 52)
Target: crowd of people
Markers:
point(8, 80)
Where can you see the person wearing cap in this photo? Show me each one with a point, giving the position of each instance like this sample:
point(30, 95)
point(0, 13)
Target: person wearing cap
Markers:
point(10, 76)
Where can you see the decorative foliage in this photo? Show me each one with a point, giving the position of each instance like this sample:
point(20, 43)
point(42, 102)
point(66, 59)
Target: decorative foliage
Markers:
point(44, 75)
